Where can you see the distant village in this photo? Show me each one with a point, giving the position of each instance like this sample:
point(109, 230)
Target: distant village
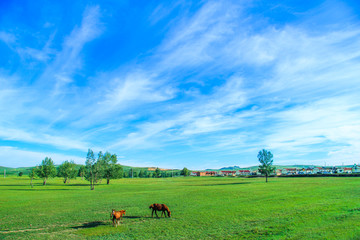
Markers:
point(282, 171)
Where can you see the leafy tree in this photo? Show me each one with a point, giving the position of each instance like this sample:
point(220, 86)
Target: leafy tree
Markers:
point(81, 172)
point(141, 173)
point(111, 169)
point(118, 171)
point(135, 174)
point(94, 169)
point(32, 175)
point(100, 167)
point(20, 174)
point(126, 174)
point(266, 160)
point(185, 172)
point(157, 173)
point(67, 170)
point(46, 169)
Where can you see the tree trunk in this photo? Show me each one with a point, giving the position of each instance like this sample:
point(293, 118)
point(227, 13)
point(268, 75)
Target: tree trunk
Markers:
point(31, 184)
point(65, 180)
point(266, 177)
point(44, 183)
point(91, 187)
point(107, 181)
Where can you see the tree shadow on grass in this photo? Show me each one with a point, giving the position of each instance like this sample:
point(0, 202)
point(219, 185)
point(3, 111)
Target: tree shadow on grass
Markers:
point(18, 185)
point(37, 189)
point(70, 184)
point(48, 184)
point(90, 225)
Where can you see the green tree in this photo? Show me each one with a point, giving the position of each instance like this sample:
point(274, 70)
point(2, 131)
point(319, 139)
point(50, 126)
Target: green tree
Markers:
point(157, 173)
point(266, 160)
point(32, 175)
point(111, 169)
point(99, 167)
point(93, 168)
point(46, 170)
point(185, 172)
point(135, 174)
point(67, 171)
point(81, 172)
point(20, 174)
point(141, 173)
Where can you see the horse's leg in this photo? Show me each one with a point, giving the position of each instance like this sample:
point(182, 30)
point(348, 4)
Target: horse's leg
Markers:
point(156, 213)
point(162, 212)
point(152, 213)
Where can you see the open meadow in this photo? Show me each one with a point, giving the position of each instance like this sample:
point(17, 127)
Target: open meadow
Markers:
point(202, 208)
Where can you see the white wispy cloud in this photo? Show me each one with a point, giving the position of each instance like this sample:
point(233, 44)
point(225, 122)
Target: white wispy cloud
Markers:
point(8, 38)
point(217, 85)
point(137, 87)
point(301, 69)
point(196, 40)
point(15, 157)
point(68, 60)
point(32, 104)
point(61, 142)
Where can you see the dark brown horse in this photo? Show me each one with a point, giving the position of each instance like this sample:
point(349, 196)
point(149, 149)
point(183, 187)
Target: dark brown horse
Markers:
point(116, 216)
point(159, 207)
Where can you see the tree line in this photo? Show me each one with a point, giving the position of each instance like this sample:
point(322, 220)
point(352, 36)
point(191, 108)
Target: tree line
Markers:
point(105, 166)
point(96, 168)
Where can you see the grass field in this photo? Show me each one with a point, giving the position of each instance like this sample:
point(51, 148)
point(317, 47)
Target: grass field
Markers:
point(202, 208)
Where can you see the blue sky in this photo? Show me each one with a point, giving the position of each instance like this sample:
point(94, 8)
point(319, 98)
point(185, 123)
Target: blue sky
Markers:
point(174, 84)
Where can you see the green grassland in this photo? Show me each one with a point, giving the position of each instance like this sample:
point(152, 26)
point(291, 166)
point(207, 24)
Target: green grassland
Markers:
point(202, 208)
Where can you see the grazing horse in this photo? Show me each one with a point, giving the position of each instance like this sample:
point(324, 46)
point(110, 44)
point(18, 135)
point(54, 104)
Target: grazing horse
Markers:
point(159, 207)
point(116, 216)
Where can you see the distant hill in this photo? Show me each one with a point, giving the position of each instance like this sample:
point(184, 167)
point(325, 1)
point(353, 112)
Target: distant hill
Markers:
point(15, 171)
point(230, 168)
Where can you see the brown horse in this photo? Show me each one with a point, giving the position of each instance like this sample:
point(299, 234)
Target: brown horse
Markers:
point(116, 216)
point(159, 207)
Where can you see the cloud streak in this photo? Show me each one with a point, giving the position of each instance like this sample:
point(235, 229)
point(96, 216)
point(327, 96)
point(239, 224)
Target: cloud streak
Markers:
point(222, 82)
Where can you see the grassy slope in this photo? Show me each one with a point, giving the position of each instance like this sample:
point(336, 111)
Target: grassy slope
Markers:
point(202, 208)
point(14, 171)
